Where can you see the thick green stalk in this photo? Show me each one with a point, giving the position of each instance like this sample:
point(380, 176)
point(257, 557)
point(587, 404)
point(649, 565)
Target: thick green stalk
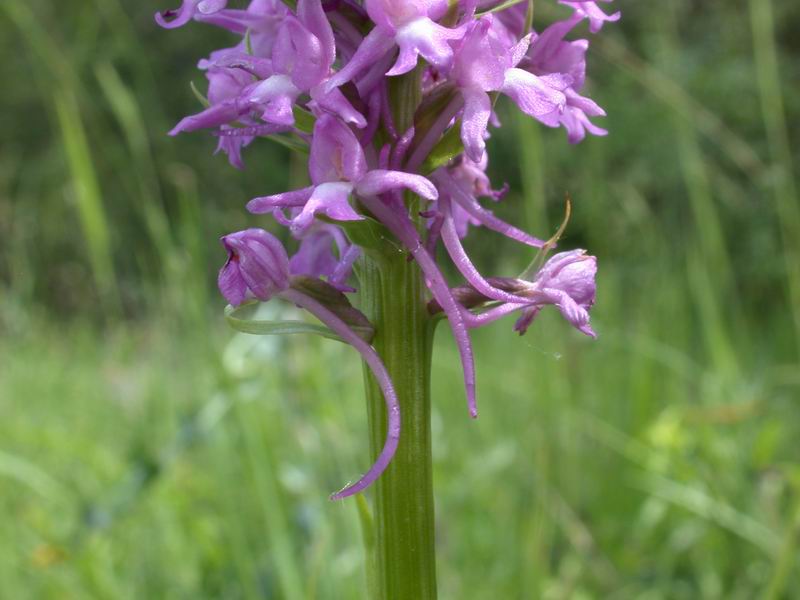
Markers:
point(403, 562)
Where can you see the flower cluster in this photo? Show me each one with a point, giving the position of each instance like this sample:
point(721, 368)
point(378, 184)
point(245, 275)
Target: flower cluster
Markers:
point(316, 75)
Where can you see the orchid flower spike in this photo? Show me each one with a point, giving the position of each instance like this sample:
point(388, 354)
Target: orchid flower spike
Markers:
point(319, 76)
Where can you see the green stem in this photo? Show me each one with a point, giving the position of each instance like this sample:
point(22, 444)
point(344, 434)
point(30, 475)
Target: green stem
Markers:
point(403, 554)
point(402, 557)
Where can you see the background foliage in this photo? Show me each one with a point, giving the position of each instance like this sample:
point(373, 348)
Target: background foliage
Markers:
point(147, 451)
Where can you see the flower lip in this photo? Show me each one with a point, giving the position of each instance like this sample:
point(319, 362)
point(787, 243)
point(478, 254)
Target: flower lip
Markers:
point(567, 281)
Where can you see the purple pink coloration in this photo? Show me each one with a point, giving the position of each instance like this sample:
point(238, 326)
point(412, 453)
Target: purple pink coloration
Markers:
point(317, 73)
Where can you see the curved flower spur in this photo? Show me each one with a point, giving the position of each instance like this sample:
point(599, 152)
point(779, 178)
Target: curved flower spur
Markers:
point(319, 76)
point(259, 268)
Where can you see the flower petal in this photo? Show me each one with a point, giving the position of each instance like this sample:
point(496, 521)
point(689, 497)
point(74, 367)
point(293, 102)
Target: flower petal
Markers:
point(540, 97)
point(571, 310)
point(257, 260)
point(425, 38)
point(380, 181)
point(335, 154)
point(330, 199)
point(220, 114)
point(486, 217)
point(177, 17)
point(312, 15)
point(275, 97)
point(231, 283)
point(371, 50)
point(590, 10)
point(299, 53)
point(266, 204)
point(463, 263)
point(335, 102)
point(232, 145)
point(475, 121)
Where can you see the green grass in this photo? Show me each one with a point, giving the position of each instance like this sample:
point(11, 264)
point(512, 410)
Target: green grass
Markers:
point(147, 451)
point(138, 463)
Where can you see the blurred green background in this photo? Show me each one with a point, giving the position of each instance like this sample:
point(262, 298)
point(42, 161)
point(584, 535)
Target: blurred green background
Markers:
point(147, 451)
